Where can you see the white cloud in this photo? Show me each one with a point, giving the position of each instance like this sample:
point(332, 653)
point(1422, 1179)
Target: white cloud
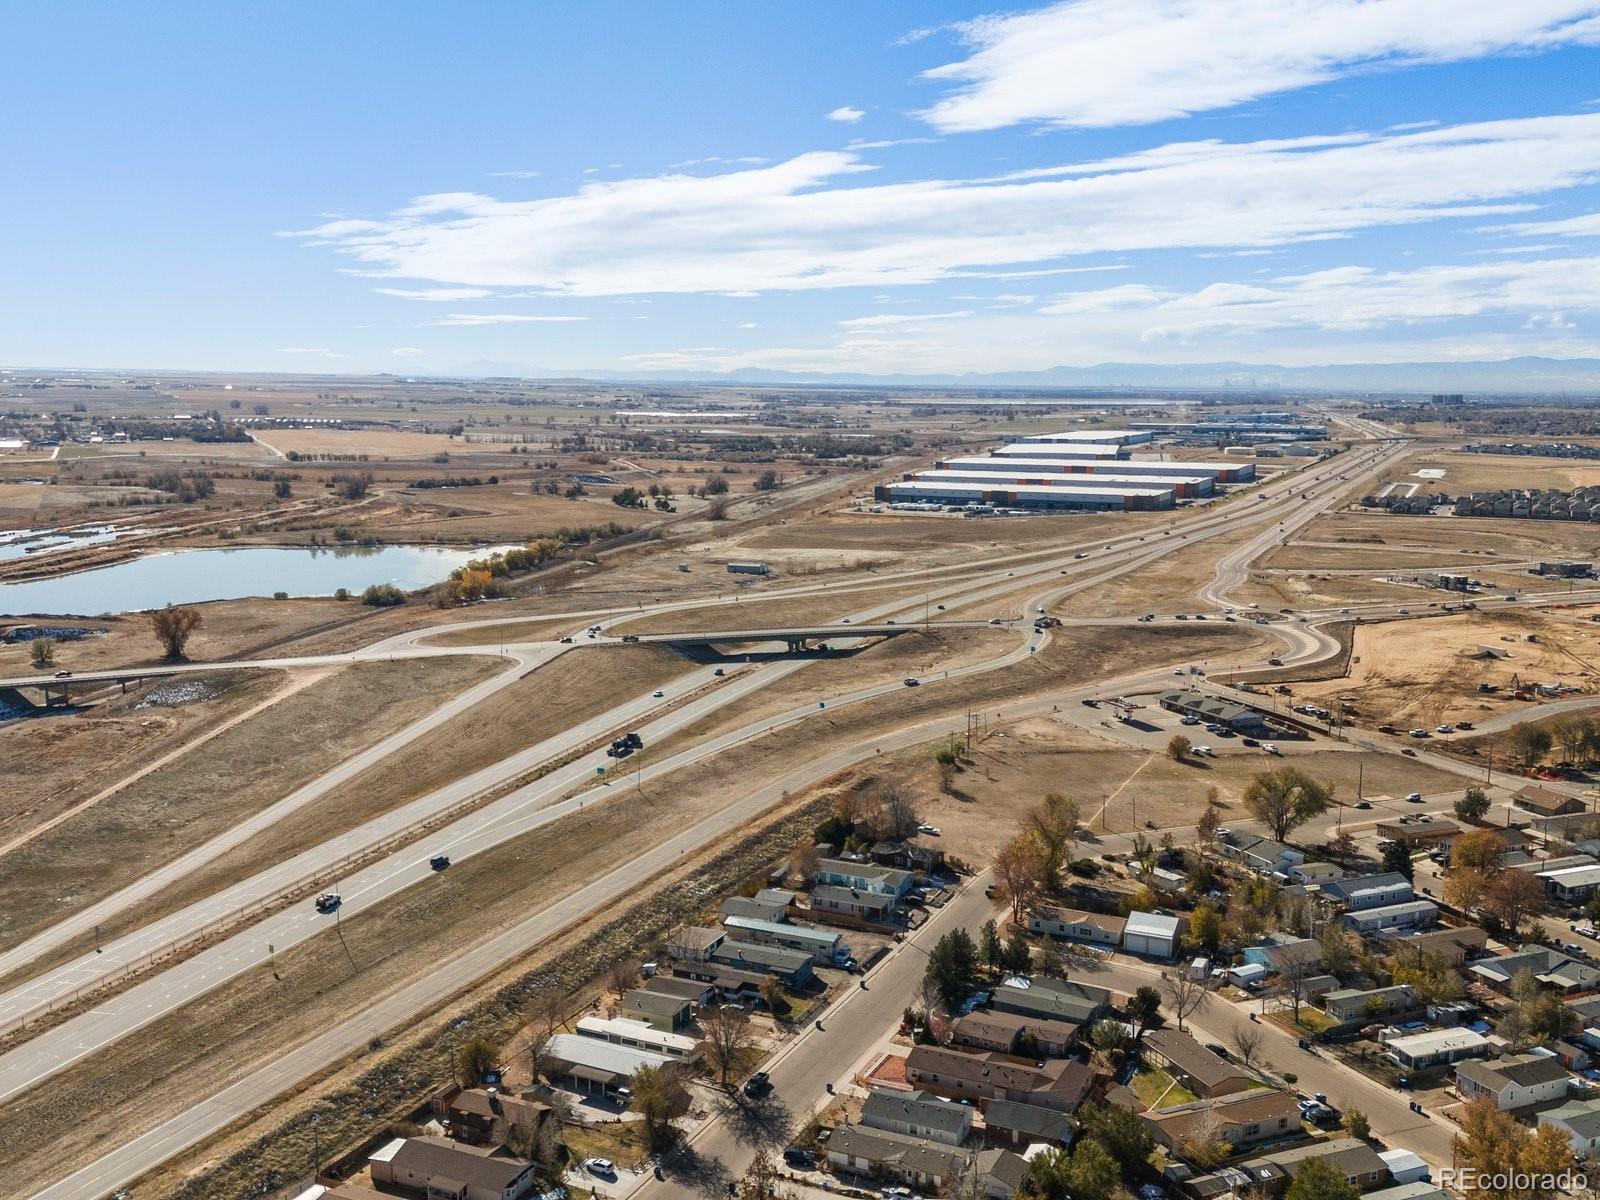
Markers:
point(1348, 314)
point(846, 115)
point(891, 320)
point(444, 293)
point(1587, 225)
point(515, 174)
point(475, 319)
point(317, 351)
point(408, 351)
point(1098, 63)
point(797, 225)
point(717, 160)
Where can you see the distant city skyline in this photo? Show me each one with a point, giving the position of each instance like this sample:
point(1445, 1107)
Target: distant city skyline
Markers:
point(875, 190)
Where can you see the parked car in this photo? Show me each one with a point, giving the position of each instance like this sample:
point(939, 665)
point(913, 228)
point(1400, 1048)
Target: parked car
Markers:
point(799, 1158)
point(757, 1085)
point(601, 1168)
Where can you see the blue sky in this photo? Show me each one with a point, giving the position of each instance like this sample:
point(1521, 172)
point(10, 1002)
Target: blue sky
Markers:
point(882, 188)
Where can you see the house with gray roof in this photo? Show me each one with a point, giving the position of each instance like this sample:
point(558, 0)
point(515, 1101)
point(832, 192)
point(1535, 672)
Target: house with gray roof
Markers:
point(880, 1154)
point(1055, 999)
point(793, 967)
point(1000, 1173)
point(1550, 967)
point(1580, 1121)
point(1522, 1081)
point(1015, 1123)
point(918, 1114)
point(1369, 891)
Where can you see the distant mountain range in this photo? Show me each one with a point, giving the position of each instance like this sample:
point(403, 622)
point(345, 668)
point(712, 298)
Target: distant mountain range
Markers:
point(1543, 375)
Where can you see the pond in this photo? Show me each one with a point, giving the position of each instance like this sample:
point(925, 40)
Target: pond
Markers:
point(195, 576)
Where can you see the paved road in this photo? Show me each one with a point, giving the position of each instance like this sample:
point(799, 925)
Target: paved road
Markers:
point(851, 1027)
point(1123, 555)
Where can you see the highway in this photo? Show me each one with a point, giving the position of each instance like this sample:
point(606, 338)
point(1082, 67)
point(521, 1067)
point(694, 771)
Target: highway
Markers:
point(529, 807)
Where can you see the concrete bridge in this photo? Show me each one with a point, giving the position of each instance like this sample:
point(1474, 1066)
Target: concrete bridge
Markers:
point(796, 638)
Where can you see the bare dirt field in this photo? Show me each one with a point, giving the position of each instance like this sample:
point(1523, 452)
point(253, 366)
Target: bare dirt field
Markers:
point(1426, 672)
point(199, 794)
point(531, 630)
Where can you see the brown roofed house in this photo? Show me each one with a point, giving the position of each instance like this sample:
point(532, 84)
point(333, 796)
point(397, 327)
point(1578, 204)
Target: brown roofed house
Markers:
point(1004, 1031)
point(1242, 1119)
point(1547, 802)
point(448, 1170)
point(1200, 1070)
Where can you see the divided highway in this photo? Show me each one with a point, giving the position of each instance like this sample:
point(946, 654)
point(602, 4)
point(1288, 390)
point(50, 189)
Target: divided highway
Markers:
point(539, 803)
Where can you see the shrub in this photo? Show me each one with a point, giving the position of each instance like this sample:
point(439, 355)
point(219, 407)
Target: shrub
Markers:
point(383, 595)
point(1085, 868)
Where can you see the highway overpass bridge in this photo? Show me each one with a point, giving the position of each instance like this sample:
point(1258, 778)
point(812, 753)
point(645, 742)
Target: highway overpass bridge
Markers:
point(796, 638)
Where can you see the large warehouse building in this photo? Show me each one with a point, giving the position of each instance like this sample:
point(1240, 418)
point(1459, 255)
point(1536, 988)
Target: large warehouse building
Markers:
point(1075, 495)
point(1103, 437)
point(1185, 485)
point(1004, 463)
point(1222, 472)
point(1060, 449)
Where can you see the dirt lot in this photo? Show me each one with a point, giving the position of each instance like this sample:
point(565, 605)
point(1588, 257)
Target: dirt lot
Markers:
point(1426, 672)
point(196, 796)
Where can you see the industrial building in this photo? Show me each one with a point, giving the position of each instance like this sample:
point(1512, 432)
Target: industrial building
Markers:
point(1063, 450)
point(1241, 424)
point(1103, 437)
point(1085, 497)
point(1185, 486)
point(1221, 472)
point(1036, 454)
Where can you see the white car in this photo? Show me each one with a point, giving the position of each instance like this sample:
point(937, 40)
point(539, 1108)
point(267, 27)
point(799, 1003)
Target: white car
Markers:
point(930, 830)
point(658, 694)
point(1413, 797)
point(1204, 752)
point(603, 1167)
point(1271, 748)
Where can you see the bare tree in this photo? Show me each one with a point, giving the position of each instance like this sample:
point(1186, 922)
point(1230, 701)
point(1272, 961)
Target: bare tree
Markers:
point(804, 860)
point(172, 627)
point(1247, 1044)
point(621, 976)
point(897, 816)
point(1185, 993)
point(1202, 1144)
point(725, 1036)
point(548, 1009)
point(1290, 984)
point(536, 1053)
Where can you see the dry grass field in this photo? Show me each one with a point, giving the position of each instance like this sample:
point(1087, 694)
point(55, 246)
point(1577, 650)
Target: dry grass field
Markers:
point(1426, 672)
point(375, 443)
point(1118, 788)
point(173, 809)
point(1492, 472)
point(59, 759)
point(565, 693)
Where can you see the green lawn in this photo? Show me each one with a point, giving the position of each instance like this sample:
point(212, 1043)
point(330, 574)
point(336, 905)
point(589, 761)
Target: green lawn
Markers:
point(1156, 1088)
